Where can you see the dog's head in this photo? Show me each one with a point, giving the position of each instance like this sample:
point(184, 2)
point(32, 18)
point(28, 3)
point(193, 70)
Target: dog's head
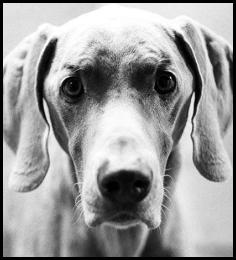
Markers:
point(118, 84)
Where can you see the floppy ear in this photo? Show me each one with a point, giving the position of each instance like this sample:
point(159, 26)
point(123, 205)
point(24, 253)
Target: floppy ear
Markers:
point(24, 124)
point(211, 59)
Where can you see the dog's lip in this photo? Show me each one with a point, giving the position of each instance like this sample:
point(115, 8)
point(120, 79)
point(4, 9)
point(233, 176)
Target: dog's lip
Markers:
point(122, 220)
point(113, 213)
point(122, 217)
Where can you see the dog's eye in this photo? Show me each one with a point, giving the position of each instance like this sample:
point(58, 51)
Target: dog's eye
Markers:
point(165, 82)
point(72, 87)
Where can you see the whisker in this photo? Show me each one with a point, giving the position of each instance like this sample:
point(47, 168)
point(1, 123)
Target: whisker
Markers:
point(80, 216)
point(165, 195)
point(78, 203)
point(165, 207)
point(160, 230)
point(76, 190)
point(167, 191)
point(163, 212)
point(79, 182)
point(167, 175)
point(78, 210)
point(169, 169)
point(78, 197)
point(76, 206)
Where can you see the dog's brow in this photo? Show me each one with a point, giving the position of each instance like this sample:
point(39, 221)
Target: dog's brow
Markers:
point(162, 64)
point(152, 55)
point(82, 65)
point(68, 66)
point(151, 63)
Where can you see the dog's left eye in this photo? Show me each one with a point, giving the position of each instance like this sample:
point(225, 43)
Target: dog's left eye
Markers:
point(165, 82)
point(72, 87)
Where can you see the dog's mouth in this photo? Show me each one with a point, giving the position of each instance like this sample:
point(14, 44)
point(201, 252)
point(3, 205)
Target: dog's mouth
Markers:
point(118, 219)
point(98, 213)
point(122, 220)
point(122, 217)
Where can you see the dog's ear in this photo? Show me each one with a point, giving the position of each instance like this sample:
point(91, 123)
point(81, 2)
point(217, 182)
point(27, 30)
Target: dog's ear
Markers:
point(211, 59)
point(25, 126)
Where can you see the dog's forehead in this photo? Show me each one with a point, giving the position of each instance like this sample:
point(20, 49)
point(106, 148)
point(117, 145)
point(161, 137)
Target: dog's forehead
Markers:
point(115, 38)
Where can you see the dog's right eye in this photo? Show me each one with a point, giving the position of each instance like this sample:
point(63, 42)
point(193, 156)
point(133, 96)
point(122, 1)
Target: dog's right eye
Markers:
point(72, 87)
point(165, 82)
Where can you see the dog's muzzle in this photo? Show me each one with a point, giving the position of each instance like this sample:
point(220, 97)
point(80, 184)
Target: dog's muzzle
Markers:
point(121, 169)
point(124, 177)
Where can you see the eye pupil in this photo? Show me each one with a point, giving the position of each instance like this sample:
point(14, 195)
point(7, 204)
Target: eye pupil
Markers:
point(165, 83)
point(72, 87)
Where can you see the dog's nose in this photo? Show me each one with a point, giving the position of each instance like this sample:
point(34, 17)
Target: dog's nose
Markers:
point(124, 186)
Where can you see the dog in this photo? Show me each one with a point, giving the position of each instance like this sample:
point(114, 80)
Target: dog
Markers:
point(114, 86)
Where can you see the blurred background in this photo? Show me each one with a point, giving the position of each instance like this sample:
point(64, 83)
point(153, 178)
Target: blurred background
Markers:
point(209, 205)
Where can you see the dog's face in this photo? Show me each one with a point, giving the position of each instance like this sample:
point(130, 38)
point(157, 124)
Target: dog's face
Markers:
point(122, 102)
point(118, 84)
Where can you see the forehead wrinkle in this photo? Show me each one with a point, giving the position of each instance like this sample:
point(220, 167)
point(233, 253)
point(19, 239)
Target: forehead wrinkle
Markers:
point(108, 52)
point(156, 52)
point(110, 62)
point(81, 64)
point(150, 59)
point(94, 53)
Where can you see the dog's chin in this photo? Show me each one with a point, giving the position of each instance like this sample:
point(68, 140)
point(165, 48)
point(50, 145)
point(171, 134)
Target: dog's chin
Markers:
point(124, 225)
point(122, 221)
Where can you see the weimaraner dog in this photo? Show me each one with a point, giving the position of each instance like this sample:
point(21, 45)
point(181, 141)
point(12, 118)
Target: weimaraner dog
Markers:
point(114, 86)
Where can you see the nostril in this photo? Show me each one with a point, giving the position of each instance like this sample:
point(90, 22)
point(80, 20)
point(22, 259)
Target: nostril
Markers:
point(110, 186)
point(140, 188)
